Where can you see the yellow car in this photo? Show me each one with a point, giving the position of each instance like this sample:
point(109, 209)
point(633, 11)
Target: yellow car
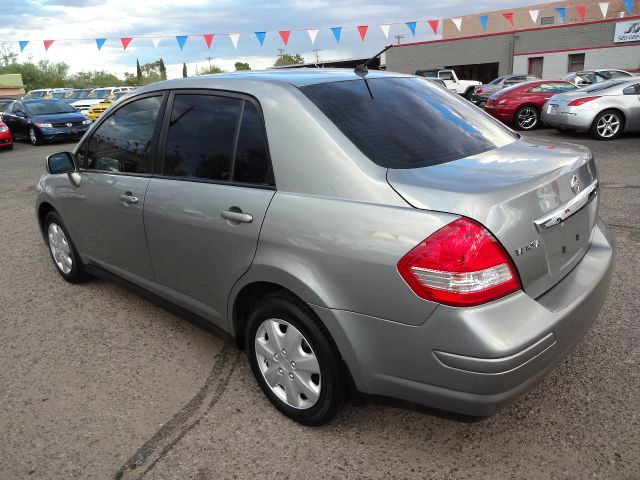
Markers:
point(97, 110)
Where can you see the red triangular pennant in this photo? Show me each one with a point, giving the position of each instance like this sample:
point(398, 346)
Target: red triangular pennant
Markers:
point(126, 41)
point(47, 44)
point(581, 9)
point(362, 29)
point(434, 25)
point(284, 35)
point(208, 38)
point(508, 16)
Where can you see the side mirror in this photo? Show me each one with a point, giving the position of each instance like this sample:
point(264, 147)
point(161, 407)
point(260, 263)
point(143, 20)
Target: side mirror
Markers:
point(60, 163)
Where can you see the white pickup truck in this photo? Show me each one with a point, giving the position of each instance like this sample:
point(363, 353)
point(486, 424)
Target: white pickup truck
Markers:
point(461, 87)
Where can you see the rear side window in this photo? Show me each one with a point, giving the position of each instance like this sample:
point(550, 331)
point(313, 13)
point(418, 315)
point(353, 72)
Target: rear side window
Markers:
point(408, 123)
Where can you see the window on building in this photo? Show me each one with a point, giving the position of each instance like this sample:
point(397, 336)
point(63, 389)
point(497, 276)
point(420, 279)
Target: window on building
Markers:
point(535, 66)
point(576, 62)
point(547, 20)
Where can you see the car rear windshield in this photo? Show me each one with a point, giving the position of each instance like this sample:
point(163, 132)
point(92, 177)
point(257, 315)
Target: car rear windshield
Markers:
point(604, 86)
point(407, 122)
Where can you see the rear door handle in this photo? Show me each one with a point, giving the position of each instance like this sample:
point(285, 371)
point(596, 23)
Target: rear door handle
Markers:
point(237, 216)
point(129, 198)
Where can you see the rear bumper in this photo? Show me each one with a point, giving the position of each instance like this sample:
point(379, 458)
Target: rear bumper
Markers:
point(574, 118)
point(475, 360)
point(5, 140)
point(502, 114)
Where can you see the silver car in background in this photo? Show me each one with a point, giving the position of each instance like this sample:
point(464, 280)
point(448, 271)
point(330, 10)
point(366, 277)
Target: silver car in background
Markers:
point(368, 232)
point(605, 110)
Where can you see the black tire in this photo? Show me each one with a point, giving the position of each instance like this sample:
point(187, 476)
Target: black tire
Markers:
point(333, 391)
point(527, 118)
point(34, 137)
point(76, 273)
point(468, 93)
point(596, 131)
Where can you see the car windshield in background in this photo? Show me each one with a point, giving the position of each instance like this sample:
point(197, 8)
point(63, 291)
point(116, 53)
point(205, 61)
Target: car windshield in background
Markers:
point(39, 94)
point(79, 95)
point(409, 123)
point(604, 86)
point(4, 104)
point(496, 81)
point(101, 93)
point(59, 94)
point(48, 107)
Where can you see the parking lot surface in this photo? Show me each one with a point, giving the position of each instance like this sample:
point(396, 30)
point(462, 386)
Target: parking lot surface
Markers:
point(96, 382)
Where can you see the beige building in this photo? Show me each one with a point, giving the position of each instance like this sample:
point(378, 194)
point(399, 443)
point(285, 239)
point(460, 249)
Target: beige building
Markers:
point(546, 16)
point(11, 85)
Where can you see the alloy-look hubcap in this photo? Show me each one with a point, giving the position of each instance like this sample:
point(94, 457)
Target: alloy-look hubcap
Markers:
point(60, 249)
point(288, 364)
point(527, 118)
point(608, 125)
point(32, 135)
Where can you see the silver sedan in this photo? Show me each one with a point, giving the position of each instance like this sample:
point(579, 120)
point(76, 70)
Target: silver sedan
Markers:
point(605, 110)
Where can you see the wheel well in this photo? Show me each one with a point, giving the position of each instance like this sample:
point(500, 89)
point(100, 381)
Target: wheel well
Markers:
point(244, 303)
point(529, 105)
point(43, 211)
point(619, 112)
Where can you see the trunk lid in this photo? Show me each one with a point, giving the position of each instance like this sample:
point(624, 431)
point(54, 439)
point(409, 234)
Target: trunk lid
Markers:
point(508, 189)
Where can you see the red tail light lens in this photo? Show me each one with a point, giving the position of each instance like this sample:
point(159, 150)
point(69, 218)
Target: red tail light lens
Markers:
point(582, 101)
point(480, 90)
point(461, 265)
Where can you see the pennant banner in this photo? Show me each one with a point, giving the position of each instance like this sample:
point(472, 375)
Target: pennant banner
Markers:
point(313, 33)
point(125, 41)
point(23, 44)
point(208, 39)
point(604, 7)
point(261, 36)
point(100, 42)
point(284, 35)
point(534, 15)
point(412, 27)
point(562, 11)
point(181, 39)
point(47, 44)
point(628, 4)
point(234, 37)
point(385, 29)
point(457, 22)
point(434, 25)
point(483, 20)
point(156, 41)
point(337, 31)
point(362, 30)
point(509, 17)
point(581, 9)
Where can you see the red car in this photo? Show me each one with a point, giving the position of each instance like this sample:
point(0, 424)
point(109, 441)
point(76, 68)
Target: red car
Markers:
point(5, 137)
point(521, 104)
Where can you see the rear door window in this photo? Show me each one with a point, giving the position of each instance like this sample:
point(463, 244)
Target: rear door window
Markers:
point(407, 122)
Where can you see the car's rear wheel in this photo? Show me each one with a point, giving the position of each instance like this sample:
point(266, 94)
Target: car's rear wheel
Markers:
point(607, 125)
point(527, 118)
point(294, 360)
point(62, 250)
point(34, 137)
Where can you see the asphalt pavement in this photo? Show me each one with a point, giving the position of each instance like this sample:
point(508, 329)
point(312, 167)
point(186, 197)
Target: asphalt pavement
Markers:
point(96, 382)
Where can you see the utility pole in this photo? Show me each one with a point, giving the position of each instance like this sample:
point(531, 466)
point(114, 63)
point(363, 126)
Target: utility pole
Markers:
point(399, 37)
point(209, 58)
point(316, 50)
point(280, 52)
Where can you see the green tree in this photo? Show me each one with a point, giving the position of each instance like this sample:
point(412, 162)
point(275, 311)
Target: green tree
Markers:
point(8, 55)
point(44, 74)
point(286, 59)
point(163, 70)
point(184, 70)
point(138, 70)
point(211, 69)
point(98, 78)
point(240, 66)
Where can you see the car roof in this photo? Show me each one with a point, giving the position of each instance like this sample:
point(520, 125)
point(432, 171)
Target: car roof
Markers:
point(294, 76)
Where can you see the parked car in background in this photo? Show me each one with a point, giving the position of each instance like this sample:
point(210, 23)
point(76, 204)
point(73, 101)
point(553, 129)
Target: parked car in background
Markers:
point(417, 249)
point(96, 110)
point(44, 120)
point(96, 96)
point(75, 95)
point(521, 105)
point(6, 141)
point(589, 77)
point(437, 80)
point(452, 82)
point(482, 93)
point(605, 110)
point(58, 93)
point(4, 103)
point(38, 93)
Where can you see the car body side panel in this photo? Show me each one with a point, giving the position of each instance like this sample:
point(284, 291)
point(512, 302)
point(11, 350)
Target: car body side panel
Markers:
point(343, 254)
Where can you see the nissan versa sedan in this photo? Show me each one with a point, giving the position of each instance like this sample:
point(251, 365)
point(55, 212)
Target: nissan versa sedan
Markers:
point(368, 233)
point(605, 110)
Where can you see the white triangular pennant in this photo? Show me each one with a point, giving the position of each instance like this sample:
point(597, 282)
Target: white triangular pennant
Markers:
point(604, 8)
point(534, 15)
point(457, 22)
point(385, 29)
point(156, 41)
point(234, 37)
point(313, 33)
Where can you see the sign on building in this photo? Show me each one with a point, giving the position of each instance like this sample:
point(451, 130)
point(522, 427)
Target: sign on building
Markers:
point(627, 32)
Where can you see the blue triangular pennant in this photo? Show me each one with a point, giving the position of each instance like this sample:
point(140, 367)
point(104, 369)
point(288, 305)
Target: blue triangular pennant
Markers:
point(23, 43)
point(628, 4)
point(563, 13)
point(483, 20)
point(412, 27)
point(100, 42)
point(182, 39)
point(261, 36)
point(337, 31)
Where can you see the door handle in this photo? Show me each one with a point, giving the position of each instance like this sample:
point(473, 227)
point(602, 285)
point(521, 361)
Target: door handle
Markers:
point(129, 198)
point(234, 216)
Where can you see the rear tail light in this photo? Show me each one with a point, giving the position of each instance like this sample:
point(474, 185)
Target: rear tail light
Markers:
point(501, 100)
point(581, 101)
point(479, 90)
point(460, 265)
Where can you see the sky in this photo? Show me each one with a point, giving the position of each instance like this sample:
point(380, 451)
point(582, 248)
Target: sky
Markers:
point(85, 20)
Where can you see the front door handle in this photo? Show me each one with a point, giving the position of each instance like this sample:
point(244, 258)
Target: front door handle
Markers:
point(234, 216)
point(129, 198)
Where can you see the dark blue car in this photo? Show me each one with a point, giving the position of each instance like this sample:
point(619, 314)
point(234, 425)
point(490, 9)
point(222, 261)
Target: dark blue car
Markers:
point(44, 120)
